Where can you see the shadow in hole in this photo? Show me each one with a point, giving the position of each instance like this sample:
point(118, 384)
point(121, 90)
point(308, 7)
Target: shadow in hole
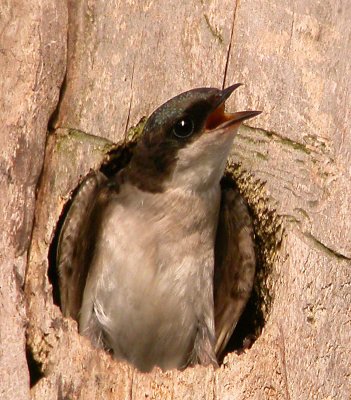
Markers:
point(34, 368)
point(252, 320)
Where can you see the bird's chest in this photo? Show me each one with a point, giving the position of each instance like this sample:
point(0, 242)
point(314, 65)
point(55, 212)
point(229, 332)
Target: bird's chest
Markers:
point(180, 232)
point(155, 260)
point(160, 246)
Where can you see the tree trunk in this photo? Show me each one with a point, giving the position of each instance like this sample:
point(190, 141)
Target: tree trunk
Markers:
point(86, 72)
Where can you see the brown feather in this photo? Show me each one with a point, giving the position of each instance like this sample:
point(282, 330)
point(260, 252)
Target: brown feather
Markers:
point(234, 265)
point(75, 243)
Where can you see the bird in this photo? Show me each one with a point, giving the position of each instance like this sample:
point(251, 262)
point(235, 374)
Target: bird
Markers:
point(157, 262)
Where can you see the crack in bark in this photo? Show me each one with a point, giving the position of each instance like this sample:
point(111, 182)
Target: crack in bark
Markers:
point(50, 126)
point(131, 385)
point(283, 354)
point(291, 30)
point(325, 248)
point(34, 367)
point(40, 67)
point(214, 386)
point(317, 243)
point(130, 102)
point(230, 45)
point(54, 116)
point(214, 31)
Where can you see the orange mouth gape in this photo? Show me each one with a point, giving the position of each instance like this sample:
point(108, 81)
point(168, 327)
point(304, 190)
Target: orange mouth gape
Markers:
point(218, 117)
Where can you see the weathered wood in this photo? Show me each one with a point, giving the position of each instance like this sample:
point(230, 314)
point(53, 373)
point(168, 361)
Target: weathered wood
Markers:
point(292, 165)
point(127, 58)
point(32, 64)
point(298, 74)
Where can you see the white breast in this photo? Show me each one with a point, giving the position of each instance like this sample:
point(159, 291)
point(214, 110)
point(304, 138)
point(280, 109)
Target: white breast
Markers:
point(151, 277)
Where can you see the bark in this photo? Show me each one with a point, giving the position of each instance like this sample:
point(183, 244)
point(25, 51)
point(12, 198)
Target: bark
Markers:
point(291, 164)
point(32, 64)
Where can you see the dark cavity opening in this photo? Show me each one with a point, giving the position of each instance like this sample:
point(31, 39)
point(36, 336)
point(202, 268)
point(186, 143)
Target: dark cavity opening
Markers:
point(268, 233)
point(257, 310)
point(252, 320)
point(34, 368)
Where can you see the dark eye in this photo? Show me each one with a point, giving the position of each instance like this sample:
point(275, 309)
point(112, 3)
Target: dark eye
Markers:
point(183, 128)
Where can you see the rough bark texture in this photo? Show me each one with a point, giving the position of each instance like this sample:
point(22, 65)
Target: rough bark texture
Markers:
point(292, 165)
point(32, 64)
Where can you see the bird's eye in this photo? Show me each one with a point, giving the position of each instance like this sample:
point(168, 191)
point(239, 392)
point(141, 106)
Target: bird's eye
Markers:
point(183, 128)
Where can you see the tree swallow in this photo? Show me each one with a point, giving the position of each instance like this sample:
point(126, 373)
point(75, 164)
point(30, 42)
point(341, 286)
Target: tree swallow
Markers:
point(157, 262)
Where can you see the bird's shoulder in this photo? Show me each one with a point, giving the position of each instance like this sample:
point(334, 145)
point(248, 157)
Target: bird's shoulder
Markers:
point(75, 243)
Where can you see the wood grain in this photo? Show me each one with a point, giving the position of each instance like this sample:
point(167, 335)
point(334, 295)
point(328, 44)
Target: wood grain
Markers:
point(292, 164)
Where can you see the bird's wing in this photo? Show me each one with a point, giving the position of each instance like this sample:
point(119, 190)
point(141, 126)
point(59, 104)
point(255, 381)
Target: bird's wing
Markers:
point(75, 245)
point(235, 263)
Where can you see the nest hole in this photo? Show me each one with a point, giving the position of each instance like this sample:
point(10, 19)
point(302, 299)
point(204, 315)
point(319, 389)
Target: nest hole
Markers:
point(267, 230)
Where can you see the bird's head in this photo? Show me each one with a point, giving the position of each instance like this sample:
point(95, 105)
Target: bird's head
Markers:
point(186, 142)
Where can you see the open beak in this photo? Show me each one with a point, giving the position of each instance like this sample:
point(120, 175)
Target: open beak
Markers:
point(219, 118)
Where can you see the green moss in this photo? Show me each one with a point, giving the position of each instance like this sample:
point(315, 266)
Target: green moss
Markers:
point(68, 141)
point(270, 135)
point(303, 212)
point(325, 249)
point(113, 156)
point(295, 145)
point(134, 132)
point(261, 156)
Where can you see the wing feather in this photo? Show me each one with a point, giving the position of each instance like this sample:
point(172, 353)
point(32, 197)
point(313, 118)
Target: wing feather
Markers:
point(75, 244)
point(235, 263)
